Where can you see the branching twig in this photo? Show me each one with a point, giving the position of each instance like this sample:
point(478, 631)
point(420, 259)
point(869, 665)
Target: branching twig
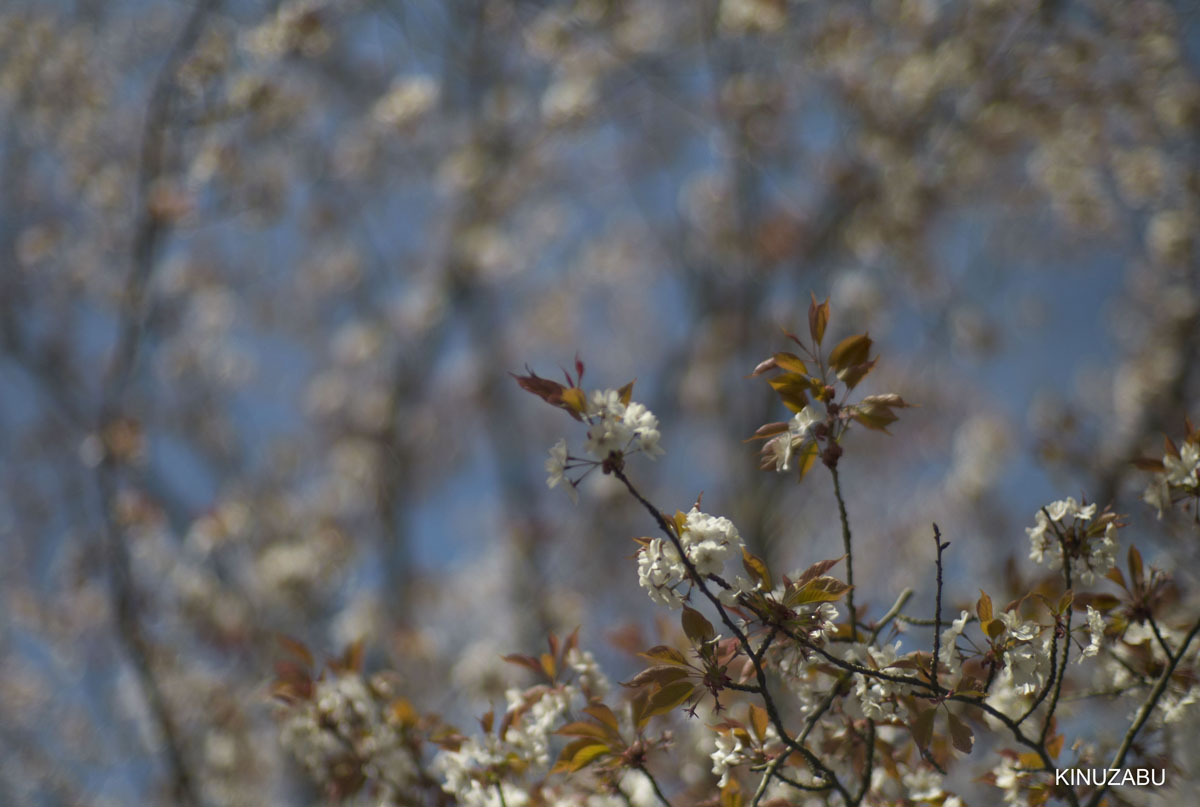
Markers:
point(818, 768)
point(148, 230)
point(1061, 672)
point(1146, 710)
point(892, 613)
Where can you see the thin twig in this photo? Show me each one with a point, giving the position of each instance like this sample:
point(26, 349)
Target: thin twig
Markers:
point(846, 547)
point(868, 766)
point(1158, 635)
point(1061, 673)
point(892, 613)
point(654, 784)
point(937, 606)
point(938, 691)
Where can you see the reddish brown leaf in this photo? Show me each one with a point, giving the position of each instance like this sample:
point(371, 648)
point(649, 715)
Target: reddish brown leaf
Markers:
point(818, 318)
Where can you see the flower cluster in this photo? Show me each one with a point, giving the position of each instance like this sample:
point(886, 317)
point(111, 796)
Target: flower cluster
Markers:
point(1066, 525)
point(488, 770)
point(350, 730)
point(1027, 655)
point(876, 698)
point(1177, 474)
point(620, 426)
point(472, 769)
point(617, 426)
point(825, 691)
point(708, 541)
point(730, 752)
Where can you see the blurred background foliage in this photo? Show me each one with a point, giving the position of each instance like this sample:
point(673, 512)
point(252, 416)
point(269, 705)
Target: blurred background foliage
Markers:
point(265, 267)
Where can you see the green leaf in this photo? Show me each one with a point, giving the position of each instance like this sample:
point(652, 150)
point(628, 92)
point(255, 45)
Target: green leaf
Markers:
point(850, 351)
point(659, 676)
point(604, 715)
point(759, 720)
point(1064, 602)
point(960, 734)
point(1101, 602)
point(695, 626)
point(875, 411)
point(922, 727)
point(582, 728)
point(1054, 745)
point(667, 698)
point(817, 569)
point(757, 569)
point(821, 589)
point(790, 362)
point(579, 753)
point(806, 458)
point(818, 318)
point(852, 375)
point(731, 794)
point(1135, 565)
point(667, 655)
point(793, 390)
point(983, 608)
point(638, 707)
point(768, 430)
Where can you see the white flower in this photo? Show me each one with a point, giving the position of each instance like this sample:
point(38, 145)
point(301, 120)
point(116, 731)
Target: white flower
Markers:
point(1183, 470)
point(1029, 663)
point(875, 695)
point(730, 752)
point(591, 677)
point(709, 541)
point(659, 571)
point(1069, 507)
point(799, 432)
point(616, 427)
point(1010, 780)
point(1101, 555)
point(1158, 494)
point(556, 466)
point(826, 615)
point(406, 100)
point(1018, 628)
point(645, 428)
point(1039, 541)
point(1175, 707)
point(923, 784)
point(1098, 554)
point(949, 652)
point(1096, 629)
